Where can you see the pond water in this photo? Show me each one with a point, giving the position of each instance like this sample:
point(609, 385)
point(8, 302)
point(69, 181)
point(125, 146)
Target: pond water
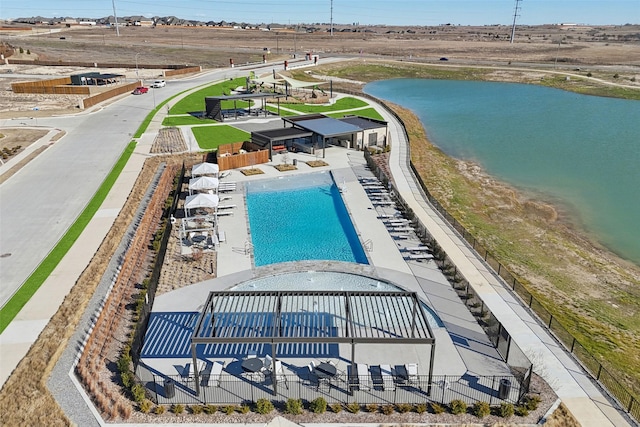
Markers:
point(577, 150)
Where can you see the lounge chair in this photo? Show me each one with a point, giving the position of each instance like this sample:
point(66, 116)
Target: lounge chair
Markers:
point(412, 373)
point(387, 377)
point(364, 379)
point(280, 375)
point(417, 257)
point(211, 374)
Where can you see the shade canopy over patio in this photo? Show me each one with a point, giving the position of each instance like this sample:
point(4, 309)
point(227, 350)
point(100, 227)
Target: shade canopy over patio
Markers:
point(203, 183)
point(205, 169)
point(313, 317)
point(201, 200)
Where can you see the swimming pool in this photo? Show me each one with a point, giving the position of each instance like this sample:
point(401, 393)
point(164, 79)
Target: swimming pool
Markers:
point(299, 218)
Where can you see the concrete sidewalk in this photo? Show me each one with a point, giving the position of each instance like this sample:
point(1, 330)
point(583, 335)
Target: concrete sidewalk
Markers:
point(586, 401)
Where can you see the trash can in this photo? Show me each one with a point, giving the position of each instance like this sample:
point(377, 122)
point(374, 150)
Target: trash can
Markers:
point(295, 162)
point(169, 388)
point(504, 389)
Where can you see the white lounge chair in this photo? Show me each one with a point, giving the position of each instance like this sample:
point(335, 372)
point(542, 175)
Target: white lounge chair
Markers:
point(412, 372)
point(387, 377)
point(226, 206)
point(364, 380)
point(222, 237)
point(416, 249)
point(416, 257)
point(211, 373)
point(401, 229)
point(280, 375)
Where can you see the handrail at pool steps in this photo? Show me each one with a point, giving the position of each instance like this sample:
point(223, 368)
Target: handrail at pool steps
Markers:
point(614, 387)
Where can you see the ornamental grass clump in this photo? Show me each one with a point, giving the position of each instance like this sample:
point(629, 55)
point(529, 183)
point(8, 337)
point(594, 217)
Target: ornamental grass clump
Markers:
point(458, 407)
point(318, 405)
point(481, 409)
point(293, 406)
point(264, 406)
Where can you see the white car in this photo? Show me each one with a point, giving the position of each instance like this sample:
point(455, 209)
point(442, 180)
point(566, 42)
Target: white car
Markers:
point(158, 83)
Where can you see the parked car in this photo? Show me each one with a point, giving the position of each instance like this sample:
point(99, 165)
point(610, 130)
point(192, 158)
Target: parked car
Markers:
point(158, 83)
point(444, 59)
point(140, 90)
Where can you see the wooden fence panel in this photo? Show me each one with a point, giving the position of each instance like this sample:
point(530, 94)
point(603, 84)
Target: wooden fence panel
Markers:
point(93, 100)
point(180, 71)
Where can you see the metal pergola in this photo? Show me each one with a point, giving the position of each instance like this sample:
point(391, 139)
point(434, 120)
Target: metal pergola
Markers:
point(350, 317)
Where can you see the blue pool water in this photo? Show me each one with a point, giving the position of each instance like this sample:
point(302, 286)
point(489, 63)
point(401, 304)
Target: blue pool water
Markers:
point(301, 218)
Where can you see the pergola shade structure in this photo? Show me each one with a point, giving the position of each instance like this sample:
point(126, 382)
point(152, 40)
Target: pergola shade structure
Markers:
point(312, 317)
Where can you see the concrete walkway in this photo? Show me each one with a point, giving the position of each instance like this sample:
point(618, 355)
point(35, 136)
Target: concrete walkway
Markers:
point(585, 400)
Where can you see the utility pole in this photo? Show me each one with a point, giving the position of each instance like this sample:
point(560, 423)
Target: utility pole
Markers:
point(332, 17)
point(515, 16)
point(115, 16)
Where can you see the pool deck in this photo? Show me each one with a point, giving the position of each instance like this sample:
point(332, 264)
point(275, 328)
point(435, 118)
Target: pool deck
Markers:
point(471, 352)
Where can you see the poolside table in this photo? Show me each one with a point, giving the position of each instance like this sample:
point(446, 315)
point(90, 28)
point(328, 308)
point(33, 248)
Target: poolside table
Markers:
point(252, 365)
point(326, 371)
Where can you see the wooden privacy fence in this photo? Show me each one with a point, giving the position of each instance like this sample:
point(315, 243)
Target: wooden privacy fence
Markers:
point(93, 100)
point(96, 64)
point(180, 71)
point(59, 86)
point(230, 156)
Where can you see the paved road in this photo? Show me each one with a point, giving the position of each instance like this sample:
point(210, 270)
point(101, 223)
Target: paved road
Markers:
point(39, 203)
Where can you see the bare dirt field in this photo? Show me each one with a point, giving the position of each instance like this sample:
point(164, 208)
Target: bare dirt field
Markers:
point(608, 50)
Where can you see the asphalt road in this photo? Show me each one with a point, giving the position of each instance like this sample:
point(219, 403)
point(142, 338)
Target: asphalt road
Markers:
point(40, 202)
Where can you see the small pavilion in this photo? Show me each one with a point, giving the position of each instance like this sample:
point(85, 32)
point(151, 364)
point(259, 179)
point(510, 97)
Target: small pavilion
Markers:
point(329, 317)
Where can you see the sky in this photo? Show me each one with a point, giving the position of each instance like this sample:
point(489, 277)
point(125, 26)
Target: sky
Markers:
point(364, 12)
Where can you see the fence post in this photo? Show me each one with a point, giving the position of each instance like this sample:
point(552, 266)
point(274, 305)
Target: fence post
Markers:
point(599, 372)
point(530, 300)
point(573, 343)
point(493, 389)
point(499, 266)
point(549, 325)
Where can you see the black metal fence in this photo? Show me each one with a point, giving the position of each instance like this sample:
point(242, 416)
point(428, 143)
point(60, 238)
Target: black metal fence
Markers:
point(604, 376)
point(142, 324)
point(234, 390)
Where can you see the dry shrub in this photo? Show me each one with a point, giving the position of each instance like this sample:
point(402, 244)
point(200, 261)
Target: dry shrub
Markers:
point(28, 380)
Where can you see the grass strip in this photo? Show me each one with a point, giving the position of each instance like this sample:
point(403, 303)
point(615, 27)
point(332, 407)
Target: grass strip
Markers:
point(51, 261)
point(186, 120)
point(346, 103)
point(367, 112)
point(211, 137)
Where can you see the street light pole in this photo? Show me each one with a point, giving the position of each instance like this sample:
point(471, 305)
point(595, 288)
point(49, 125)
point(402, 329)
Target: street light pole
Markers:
point(137, 75)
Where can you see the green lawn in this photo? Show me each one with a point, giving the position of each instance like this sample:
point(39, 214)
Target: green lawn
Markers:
point(283, 113)
point(367, 112)
point(195, 101)
point(185, 120)
point(211, 137)
point(46, 267)
point(341, 104)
